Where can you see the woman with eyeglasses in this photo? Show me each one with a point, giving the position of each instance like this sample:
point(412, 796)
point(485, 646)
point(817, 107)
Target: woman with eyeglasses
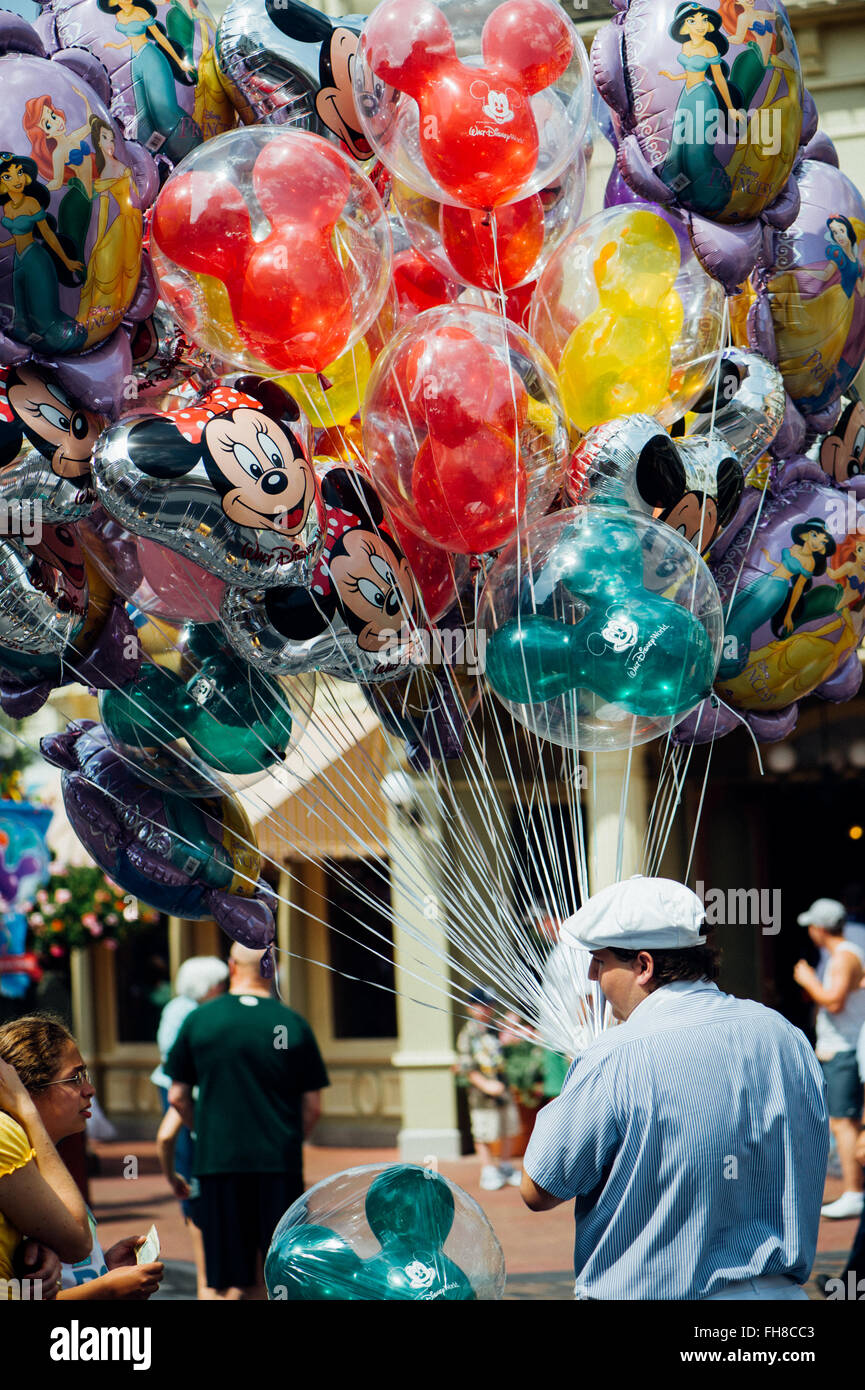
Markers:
point(45, 1090)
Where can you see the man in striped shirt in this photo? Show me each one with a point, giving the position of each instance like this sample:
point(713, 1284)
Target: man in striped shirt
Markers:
point(693, 1136)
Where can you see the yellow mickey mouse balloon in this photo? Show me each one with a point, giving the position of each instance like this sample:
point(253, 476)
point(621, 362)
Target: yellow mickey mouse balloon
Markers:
point(629, 317)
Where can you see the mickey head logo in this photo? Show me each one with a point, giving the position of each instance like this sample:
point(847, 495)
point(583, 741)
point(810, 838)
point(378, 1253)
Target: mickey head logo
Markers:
point(497, 106)
point(621, 633)
point(420, 1276)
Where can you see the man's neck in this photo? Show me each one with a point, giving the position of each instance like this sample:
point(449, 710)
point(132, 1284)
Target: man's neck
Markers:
point(246, 988)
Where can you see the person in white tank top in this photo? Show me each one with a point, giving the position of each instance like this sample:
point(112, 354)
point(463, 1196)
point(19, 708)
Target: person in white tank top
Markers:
point(840, 997)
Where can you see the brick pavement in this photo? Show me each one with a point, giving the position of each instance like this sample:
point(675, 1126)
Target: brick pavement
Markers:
point(537, 1248)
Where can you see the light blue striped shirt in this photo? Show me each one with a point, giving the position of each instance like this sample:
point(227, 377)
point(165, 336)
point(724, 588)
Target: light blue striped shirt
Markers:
point(694, 1138)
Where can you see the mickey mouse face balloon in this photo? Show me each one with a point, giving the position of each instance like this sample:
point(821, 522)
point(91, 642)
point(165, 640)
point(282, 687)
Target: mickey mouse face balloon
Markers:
point(694, 485)
point(356, 618)
point(226, 482)
point(842, 453)
point(285, 63)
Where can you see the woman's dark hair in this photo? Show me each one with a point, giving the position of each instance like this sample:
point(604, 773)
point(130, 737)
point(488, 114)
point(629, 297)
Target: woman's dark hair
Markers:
point(174, 54)
point(846, 223)
point(97, 125)
point(719, 38)
point(801, 529)
point(692, 963)
point(33, 1046)
point(37, 190)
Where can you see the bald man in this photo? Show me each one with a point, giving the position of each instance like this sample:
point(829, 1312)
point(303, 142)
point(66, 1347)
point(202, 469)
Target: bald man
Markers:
point(259, 1076)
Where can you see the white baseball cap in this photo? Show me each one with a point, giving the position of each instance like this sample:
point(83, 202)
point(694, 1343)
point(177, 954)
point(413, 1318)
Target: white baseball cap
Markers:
point(641, 914)
point(825, 912)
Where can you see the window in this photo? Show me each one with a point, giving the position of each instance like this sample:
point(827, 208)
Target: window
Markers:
point(361, 946)
point(143, 982)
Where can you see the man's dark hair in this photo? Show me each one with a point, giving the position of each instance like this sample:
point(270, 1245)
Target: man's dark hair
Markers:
point(693, 963)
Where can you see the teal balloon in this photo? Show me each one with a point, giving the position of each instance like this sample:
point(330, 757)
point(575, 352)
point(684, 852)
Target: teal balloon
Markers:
point(645, 653)
point(410, 1211)
point(312, 1264)
point(601, 558)
point(143, 714)
point(234, 719)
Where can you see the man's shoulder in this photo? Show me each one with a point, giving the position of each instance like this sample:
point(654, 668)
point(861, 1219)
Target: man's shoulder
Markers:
point(702, 1013)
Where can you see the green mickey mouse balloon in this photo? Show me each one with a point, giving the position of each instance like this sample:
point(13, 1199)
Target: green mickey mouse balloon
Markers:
point(231, 717)
point(387, 1227)
point(604, 631)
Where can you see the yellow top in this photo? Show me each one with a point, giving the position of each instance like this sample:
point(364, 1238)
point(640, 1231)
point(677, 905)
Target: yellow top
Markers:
point(15, 1151)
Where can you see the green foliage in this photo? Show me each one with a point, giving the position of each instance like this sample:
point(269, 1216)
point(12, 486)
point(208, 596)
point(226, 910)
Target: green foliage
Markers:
point(524, 1072)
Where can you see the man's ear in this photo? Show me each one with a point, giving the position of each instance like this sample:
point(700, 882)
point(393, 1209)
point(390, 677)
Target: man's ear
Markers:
point(647, 964)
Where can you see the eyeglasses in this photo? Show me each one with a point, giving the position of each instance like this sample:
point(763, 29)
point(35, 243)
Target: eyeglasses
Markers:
point(79, 1078)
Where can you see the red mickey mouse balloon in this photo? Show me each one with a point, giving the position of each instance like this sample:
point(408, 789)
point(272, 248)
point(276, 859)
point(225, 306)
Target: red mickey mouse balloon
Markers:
point(463, 429)
point(476, 133)
point(272, 249)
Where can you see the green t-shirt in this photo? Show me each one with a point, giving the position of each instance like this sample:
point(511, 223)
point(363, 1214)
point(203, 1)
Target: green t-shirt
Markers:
point(251, 1059)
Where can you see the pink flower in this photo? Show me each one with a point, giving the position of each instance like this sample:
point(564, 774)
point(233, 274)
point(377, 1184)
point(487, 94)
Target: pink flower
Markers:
point(112, 945)
point(112, 919)
point(36, 919)
point(42, 897)
point(62, 895)
point(55, 950)
point(96, 929)
point(90, 920)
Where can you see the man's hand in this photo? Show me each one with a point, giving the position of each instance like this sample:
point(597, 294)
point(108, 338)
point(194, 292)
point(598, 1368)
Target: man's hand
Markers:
point(535, 1198)
point(179, 1186)
point(804, 974)
point(121, 1255)
point(36, 1261)
point(136, 1283)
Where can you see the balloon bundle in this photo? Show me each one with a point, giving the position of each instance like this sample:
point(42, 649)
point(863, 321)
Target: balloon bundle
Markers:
point(377, 437)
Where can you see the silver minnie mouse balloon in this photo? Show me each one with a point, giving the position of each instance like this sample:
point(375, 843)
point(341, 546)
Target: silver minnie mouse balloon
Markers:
point(226, 482)
point(745, 408)
point(284, 63)
point(692, 484)
point(360, 610)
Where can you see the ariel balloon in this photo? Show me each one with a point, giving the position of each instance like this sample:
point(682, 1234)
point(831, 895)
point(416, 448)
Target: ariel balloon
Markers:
point(160, 61)
point(710, 112)
point(72, 192)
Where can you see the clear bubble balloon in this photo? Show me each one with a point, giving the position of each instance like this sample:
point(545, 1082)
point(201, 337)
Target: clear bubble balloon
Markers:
point(473, 105)
point(202, 710)
point(498, 249)
point(385, 1232)
point(603, 628)
point(463, 429)
point(272, 250)
point(628, 317)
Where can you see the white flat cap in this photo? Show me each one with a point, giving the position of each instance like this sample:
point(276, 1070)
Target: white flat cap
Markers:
point(640, 914)
point(825, 912)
